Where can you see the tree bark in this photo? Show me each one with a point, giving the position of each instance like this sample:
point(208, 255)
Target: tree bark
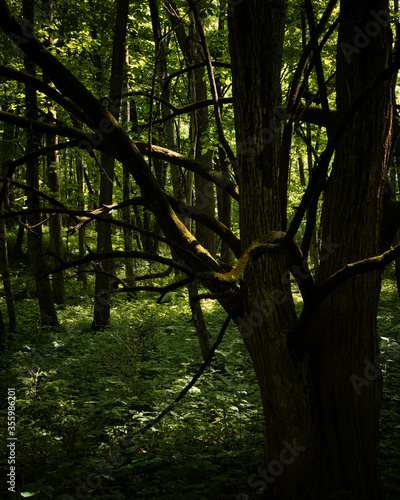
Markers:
point(204, 189)
point(35, 238)
point(178, 184)
point(55, 223)
point(198, 319)
point(342, 339)
point(3, 334)
point(224, 207)
point(82, 275)
point(105, 269)
point(269, 313)
point(313, 419)
point(5, 156)
point(5, 274)
point(127, 211)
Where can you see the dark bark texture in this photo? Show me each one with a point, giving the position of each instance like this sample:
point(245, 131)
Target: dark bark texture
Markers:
point(342, 339)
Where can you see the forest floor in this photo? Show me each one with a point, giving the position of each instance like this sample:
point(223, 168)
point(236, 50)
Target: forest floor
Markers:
point(78, 392)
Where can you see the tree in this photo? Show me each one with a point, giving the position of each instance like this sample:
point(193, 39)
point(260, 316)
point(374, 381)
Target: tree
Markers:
point(352, 218)
point(334, 346)
point(104, 283)
point(35, 236)
point(318, 373)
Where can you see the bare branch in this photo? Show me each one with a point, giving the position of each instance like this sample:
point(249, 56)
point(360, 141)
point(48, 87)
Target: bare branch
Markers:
point(51, 92)
point(215, 64)
point(214, 90)
point(121, 254)
point(211, 222)
point(200, 371)
point(182, 110)
point(183, 161)
point(46, 128)
point(298, 337)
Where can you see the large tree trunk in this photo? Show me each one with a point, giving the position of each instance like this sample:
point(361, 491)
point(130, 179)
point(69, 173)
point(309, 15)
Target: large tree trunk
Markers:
point(343, 338)
point(321, 420)
point(3, 335)
point(316, 403)
point(269, 311)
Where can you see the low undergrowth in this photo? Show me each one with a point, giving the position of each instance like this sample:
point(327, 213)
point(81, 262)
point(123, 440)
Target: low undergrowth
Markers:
point(80, 394)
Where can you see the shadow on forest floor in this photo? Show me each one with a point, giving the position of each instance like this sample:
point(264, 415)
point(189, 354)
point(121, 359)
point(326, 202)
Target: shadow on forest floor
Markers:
point(79, 391)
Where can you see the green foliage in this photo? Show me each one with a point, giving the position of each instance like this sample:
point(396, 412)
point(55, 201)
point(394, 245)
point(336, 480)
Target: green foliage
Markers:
point(388, 323)
point(79, 393)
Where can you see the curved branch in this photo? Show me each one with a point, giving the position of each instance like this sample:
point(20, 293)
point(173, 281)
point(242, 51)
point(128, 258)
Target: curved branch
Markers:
point(213, 85)
point(194, 166)
point(51, 92)
point(184, 391)
point(211, 222)
point(182, 110)
point(33, 189)
point(271, 243)
point(121, 254)
point(298, 337)
point(46, 128)
point(316, 182)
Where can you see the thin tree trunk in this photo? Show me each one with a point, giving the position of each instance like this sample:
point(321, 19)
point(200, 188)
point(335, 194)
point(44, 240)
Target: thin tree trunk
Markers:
point(53, 181)
point(224, 207)
point(5, 273)
point(198, 318)
point(204, 189)
point(3, 334)
point(35, 239)
point(5, 156)
point(55, 224)
point(224, 199)
point(17, 251)
point(105, 269)
point(82, 275)
point(127, 211)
